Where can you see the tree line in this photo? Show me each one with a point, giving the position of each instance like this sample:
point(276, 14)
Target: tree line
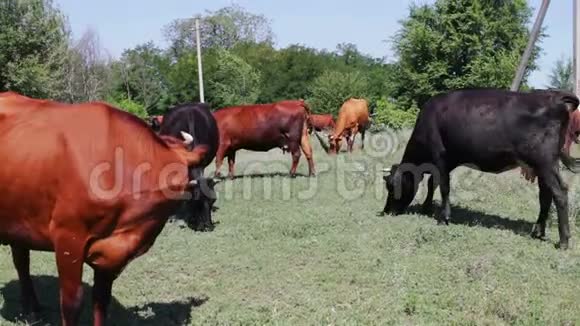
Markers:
point(445, 45)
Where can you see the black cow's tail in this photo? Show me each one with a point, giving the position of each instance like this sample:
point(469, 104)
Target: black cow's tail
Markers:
point(571, 163)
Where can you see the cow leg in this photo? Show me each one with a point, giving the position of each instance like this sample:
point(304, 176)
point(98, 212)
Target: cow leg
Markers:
point(353, 133)
point(444, 187)
point(362, 135)
point(295, 150)
point(427, 206)
point(219, 160)
point(102, 287)
point(539, 229)
point(307, 150)
point(559, 194)
point(69, 262)
point(231, 162)
point(21, 259)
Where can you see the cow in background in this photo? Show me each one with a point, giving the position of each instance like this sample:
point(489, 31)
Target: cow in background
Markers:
point(493, 131)
point(155, 122)
point(197, 120)
point(263, 127)
point(320, 122)
point(353, 117)
point(89, 182)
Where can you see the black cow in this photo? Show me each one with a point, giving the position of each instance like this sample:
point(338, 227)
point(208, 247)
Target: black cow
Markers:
point(197, 120)
point(492, 131)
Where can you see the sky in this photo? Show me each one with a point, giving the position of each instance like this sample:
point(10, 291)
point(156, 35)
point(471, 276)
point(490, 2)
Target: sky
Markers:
point(321, 24)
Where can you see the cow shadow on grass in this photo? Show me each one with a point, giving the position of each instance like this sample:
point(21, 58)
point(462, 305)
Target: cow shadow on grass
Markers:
point(264, 175)
point(473, 218)
point(157, 313)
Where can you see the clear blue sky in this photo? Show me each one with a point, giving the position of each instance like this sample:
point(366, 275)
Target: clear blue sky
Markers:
point(317, 23)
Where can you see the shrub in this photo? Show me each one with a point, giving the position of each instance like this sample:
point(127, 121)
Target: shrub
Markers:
point(330, 90)
point(130, 106)
point(389, 114)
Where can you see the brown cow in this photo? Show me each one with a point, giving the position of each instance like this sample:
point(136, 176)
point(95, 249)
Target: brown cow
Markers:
point(263, 127)
point(572, 135)
point(352, 118)
point(319, 122)
point(90, 183)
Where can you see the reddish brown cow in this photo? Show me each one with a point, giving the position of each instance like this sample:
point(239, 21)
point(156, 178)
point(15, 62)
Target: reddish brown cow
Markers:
point(263, 127)
point(319, 122)
point(90, 183)
point(572, 135)
point(352, 118)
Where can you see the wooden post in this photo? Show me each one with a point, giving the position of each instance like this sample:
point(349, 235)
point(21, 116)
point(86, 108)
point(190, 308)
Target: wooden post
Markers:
point(532, 41)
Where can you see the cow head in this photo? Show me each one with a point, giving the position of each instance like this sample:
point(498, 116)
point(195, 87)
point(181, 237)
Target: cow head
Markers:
point(334, 143)
point(201, 204)
point(402, 185)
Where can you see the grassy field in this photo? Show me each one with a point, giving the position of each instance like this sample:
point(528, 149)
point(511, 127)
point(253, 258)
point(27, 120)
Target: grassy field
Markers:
point(312, 251)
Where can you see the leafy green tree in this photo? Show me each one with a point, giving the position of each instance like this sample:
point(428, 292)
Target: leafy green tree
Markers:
point(233, 81)
point(333, 88)
point(141, 75)
point(457, 44)
point(562, 75)
point(34, 44)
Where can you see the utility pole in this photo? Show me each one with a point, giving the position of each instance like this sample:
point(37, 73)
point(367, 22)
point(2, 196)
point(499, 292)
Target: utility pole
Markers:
point(576, 13)
point(199, 65)
point(532, 41)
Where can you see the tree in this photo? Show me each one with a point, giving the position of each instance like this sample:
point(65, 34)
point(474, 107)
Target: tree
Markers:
point(562, 75)
point(220, 29)
point(34, 43)
point(86, 70)
point(233, 81)
point(141, 75)
point(333, 88)
point(459, 43)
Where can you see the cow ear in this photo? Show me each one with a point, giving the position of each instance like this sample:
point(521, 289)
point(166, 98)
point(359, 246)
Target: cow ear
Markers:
point(187, 138)
point(571, 102)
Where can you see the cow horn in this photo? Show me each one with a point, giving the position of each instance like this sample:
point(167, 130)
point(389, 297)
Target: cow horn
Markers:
point(193, 183)
point(387, 170)
point(188, 138)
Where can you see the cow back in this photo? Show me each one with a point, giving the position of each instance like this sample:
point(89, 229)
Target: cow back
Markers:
point(262, 127)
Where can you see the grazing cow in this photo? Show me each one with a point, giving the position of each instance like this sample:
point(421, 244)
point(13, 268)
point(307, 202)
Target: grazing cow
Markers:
point(155, 122)
point(319, 122)
point(90, 183)
point(197, 120)
point(353, 117)
point(501, 130)
point(263, 127)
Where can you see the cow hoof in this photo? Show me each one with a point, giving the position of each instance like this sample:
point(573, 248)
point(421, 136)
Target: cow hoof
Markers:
point(562, 245)
point(382, 213)
point(442, 222)
point(538, 233)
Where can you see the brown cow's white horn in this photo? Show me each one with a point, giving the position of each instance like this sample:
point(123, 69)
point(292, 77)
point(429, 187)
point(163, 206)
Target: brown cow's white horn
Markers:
point(188, 139)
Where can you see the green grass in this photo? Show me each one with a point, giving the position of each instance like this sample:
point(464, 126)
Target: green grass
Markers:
point(317, 257)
